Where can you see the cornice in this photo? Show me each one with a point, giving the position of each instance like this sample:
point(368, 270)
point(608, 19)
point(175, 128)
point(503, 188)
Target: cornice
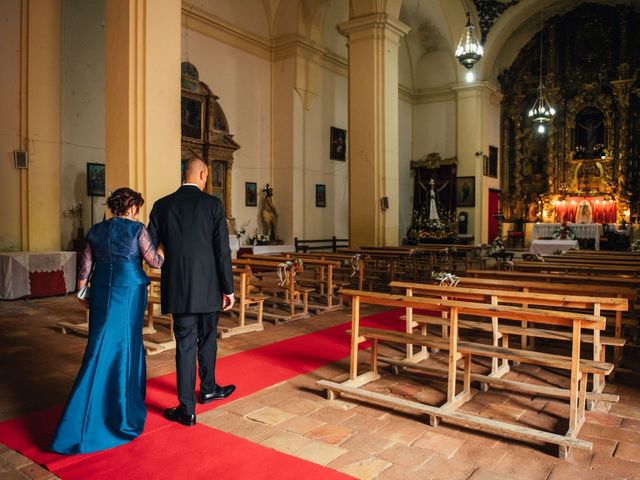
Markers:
point(201, 21)
point(377, 21)
point(295, 45)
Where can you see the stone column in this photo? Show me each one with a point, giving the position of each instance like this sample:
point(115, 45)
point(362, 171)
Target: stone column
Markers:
point(142, 96)
point(40, 125)
point(478, 120)
point(373, 128)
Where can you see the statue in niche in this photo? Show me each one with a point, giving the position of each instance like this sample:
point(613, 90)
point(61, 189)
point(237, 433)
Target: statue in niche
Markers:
point(433, 197)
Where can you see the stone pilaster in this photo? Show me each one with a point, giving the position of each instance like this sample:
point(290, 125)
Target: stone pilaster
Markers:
point(373, 128)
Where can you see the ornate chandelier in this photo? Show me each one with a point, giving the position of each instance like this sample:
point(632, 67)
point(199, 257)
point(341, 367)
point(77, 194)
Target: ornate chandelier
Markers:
point(542, 112)
point(469, 50)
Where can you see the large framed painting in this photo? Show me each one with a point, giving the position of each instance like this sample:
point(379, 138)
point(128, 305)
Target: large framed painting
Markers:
point(466, 191)
point(95, 179)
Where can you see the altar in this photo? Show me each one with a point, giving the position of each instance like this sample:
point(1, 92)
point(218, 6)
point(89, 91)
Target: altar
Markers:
point(581, 230)
point(41, 274)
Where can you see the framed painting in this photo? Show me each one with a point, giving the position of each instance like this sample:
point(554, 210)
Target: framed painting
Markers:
point(338, 144)
point(321, 196)
point(192, 124)
point(95, 179)
point(492, 170)
point(250, 194)
point(466, 191)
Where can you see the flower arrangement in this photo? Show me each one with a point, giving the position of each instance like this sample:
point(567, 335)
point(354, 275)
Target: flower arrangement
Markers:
point(635, 246)
point(496, 246)
point(563, 233)
point(241, 230)
point(256, 238)
point(424, 228)
point(75, 212)
point(286, 268)
point(446, 279)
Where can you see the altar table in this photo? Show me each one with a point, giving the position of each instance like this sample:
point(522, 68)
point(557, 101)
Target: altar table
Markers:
point(581, 230)
point(548, 247)
point(36, 274)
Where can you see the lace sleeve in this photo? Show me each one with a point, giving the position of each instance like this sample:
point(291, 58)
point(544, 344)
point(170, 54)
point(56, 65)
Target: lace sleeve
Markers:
point(148, 250)
point(85, 263)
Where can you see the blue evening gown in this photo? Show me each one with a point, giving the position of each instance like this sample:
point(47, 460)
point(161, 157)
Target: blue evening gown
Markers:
point(106, 407)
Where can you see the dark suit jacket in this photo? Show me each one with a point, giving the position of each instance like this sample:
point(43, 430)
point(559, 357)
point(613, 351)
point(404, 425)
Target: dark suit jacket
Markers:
point(192, 227)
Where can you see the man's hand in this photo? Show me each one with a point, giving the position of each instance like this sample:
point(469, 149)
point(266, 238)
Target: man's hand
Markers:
point(227, 302)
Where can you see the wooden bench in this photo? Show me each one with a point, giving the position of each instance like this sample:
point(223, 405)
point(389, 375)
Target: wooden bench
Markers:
point(247, 304)
point(287, 301)
point(584, 304)
point(317, 275)
point(566, 284)
point(577, 367)
point(331, 244)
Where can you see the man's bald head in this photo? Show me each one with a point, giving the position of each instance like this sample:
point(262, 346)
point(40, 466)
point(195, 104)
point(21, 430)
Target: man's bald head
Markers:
point(196, 171)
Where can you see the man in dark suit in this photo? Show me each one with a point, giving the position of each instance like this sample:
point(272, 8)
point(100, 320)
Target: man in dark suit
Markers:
point(196, 283)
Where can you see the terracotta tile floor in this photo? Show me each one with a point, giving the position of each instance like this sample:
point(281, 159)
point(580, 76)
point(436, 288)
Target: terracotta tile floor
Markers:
point(39, 365)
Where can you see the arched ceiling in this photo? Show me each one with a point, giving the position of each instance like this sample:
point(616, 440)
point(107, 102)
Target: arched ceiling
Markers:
point(426, 59)
point(518, 24)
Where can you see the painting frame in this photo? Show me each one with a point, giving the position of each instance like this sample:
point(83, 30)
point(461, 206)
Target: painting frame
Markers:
point(338, 144)
point(321, 195)
point(95, 180)
point(192, 110)
point(250, 194)
point(492, 170)
point(466, 191)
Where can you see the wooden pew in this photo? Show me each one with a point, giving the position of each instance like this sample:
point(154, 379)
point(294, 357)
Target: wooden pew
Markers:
point(331, 244)
point(582, 303)
point(608, 285)
point(286, 299)
point(247, 304)
point(352, 268)
point(458, 350)
point(322, 279)
point(581, 268)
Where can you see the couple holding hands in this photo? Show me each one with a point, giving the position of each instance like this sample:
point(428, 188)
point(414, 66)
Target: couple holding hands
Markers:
point(188, 238)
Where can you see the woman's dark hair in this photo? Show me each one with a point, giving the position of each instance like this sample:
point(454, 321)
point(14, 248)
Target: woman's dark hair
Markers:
point(122, 199)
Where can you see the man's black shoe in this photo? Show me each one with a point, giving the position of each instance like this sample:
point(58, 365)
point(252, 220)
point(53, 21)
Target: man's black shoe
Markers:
point(218, 393)
point(175, 415)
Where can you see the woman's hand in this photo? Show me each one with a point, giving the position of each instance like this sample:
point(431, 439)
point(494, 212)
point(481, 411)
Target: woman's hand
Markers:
point(160, 250)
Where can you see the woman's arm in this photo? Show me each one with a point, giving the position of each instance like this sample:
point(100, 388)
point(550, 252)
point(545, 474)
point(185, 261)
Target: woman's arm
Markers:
point(84, 270)
point(148, 251)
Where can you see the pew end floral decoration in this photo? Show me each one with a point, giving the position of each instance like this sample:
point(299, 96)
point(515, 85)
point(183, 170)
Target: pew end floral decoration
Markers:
point(289, 268)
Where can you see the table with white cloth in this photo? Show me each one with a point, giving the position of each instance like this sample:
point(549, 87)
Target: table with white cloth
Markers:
point(581, 230)
point(36, 274)
point(549, 247)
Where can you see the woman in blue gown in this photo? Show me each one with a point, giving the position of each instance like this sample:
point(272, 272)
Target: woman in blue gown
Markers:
point(106, 407)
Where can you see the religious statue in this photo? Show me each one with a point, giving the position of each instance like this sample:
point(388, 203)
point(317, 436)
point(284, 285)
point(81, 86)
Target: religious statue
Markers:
point(591, 130)
point(583, 213)
point(269, 213)
point(433, 198)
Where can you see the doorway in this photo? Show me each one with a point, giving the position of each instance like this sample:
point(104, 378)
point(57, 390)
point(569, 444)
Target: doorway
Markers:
point(494, 206)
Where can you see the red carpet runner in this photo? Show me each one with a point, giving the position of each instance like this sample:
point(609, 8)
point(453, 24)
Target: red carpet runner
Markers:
point(167, 450)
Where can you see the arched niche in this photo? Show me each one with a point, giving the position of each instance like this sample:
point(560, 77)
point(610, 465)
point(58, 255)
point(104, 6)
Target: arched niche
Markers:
point(205, 133)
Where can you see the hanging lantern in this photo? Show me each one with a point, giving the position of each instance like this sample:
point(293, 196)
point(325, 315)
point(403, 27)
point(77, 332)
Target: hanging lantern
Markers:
point(469, 50)
point(542, 112)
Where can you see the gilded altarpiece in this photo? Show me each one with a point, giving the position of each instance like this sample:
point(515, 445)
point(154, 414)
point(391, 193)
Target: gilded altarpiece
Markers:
point(591, 67)
point(205, 133)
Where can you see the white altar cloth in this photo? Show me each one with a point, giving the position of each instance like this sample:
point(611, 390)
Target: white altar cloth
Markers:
point(18, 270)
point(581, 230)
